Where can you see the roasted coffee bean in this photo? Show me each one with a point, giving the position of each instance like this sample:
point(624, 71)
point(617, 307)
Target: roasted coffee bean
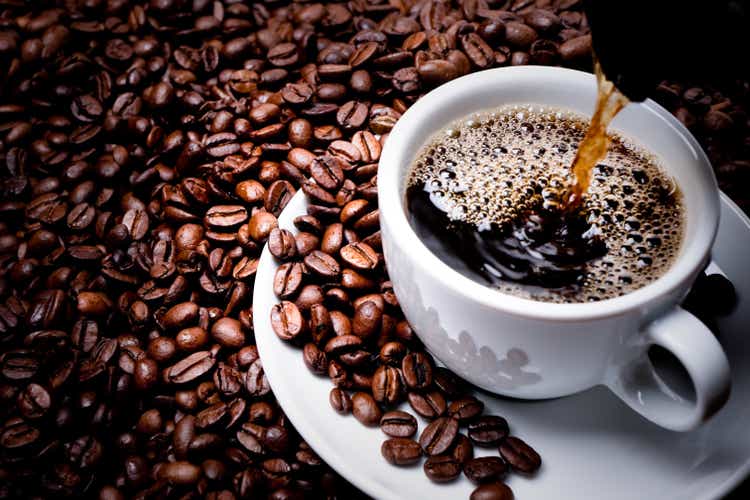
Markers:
point(488, 430)
point(250, 191)
point(260, 225)
point(318, 194)
point(485, 469)
point(359, 256)
point(367, 320)
point(519, 455)
point(366, 409)
point(477, 50)
point(576, 48)
point(462, 450)
point(341, 344)
point(363, 54)
point(387, 385)
point(465, 409)
point(322, 264)
point(398, 424)
point(191, 339)
point(369, 147)
point(180, 473)
point(519, 34)
point(438, 437)
point(256, 382)
point(297, 93)
point(352, 115)
point(288, 279)
point(492, 491)
point(417, 371)
point(442, 468)
point(315, 359)
point(429, 405)
point(392, 353)
point(328, 171)
point(146, 373)
point(227, 332)
point(308, 296)
point(278, 195)
point(191, 367)
point(340, 401)
point(333, 239)
point(34, 401)
point(180, 315)
point(287, 321)
point(449, 383)
point(361, 81)
point(401, 451)
point(306, 243)
point(282, 244)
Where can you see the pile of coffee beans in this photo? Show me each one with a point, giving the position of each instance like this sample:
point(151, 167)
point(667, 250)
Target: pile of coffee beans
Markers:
point(147, 148)
point(338, 306)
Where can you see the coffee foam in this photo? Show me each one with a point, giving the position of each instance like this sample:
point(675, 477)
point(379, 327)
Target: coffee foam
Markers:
point(492, 166)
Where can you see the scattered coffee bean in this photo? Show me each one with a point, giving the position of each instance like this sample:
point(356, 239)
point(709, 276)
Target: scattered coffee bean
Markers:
point(366, 409)
point(488, 430)
point(492, 491)
point(442, 468)
point(401, 451)
point(340, 401)
point(463, 449)
point(437, 437)
point(519, 455)
point(398, 424)
point(485, 469)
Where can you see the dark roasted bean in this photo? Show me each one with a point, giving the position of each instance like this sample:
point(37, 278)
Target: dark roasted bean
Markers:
point(519, 455)
point(462, 450)
point(485, 469)
point(387, 385)
point(365, 409)
point(488, 430)
point(438, 437)
point(492, 491)
point(417, 371)
point(442, 468)
point(429, 405)
point(322, 264)
point(398, 424)
point(466, 408)
point(282, 244)
point(315, 359)
point(287, 321)
point(401, 451)
point(340, 401)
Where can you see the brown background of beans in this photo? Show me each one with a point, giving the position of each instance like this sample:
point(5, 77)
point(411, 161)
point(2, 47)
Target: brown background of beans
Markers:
point(147, 148)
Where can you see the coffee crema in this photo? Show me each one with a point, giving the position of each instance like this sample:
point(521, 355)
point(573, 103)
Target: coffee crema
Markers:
point(484, 194)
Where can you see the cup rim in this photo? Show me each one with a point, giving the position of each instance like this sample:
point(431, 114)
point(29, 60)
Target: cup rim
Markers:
point(394, 220)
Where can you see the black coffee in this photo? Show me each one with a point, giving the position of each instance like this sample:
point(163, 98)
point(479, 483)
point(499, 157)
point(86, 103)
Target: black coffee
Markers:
point(484, 196)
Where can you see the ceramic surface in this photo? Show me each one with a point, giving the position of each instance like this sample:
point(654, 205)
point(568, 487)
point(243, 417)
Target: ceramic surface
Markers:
point(593, 446)
point(529, 349)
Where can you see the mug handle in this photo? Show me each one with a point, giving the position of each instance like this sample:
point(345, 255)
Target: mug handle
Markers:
point(695, 346)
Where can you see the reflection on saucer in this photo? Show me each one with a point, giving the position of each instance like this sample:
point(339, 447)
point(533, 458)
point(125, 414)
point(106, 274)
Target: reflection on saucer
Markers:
point(461, 354)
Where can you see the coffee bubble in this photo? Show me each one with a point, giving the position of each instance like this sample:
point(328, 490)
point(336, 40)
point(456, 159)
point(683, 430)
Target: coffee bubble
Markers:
point(494, 167)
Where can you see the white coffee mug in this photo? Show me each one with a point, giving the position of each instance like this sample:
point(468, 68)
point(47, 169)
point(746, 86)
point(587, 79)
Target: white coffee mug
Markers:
point(528, 349)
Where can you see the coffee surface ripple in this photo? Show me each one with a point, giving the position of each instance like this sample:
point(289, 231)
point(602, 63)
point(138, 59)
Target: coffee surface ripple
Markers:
point(484, 195)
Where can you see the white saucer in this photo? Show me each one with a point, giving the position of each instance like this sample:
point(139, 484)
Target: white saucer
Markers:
point(593, 446)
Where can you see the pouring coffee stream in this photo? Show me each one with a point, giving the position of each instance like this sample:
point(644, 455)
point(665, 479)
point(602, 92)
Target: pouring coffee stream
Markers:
point(593, 147)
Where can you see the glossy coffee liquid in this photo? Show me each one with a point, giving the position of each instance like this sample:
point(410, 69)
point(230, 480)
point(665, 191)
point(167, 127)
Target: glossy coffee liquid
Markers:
point(488, 196)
